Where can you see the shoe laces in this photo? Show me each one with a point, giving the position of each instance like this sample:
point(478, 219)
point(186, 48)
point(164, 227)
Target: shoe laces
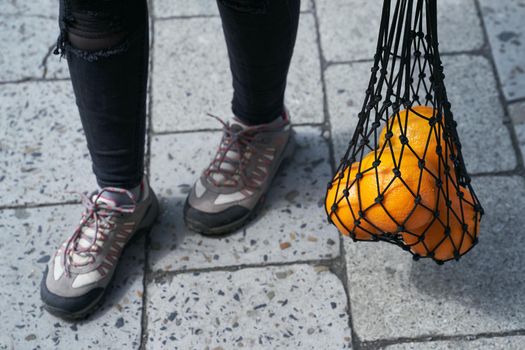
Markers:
point(235, 152)
point(98, 219)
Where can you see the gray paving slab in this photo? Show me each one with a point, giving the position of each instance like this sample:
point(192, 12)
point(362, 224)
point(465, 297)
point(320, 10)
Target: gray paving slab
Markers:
point(43, 151)
point(42, 8)
point(393, 297)
point(517, 112)
point(472, 91)
point(504, 23)
point(289, 307)
point(24, 43)
point(349, 29)
point(517, 115)
point(291, 226)
point(167, 8)
point(33, 236)
point(191, 75)
point(304, 93)
point(498, 343)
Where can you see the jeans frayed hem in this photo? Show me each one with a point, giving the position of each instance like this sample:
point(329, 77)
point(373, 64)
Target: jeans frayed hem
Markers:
point(64, 47)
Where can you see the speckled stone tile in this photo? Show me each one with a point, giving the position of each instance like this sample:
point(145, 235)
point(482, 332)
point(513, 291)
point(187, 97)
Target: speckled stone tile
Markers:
point(43, 153)
point(349, 28)
point(289, 307)
point(33, 236)
point(498, 343)
point(24, 44)
point(395, 297)
point(171, 8)
point(191, 75)
point(42, 8)
point(504, 23)
point(471, 89)
point(304, 93)
point(517, 115)
point(520, 132)
point(291, 226)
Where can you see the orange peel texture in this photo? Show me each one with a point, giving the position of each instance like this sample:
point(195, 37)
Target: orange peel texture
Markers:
point(399, 188)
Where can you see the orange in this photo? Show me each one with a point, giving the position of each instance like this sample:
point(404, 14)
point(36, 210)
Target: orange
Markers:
point(371, 200)
point(386, 201)
point(458, 240)
point(343, 218)
point(414, 124)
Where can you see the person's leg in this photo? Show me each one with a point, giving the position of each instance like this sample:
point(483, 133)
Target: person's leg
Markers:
point(106, 47)
point(260, 35)
point(105, 43)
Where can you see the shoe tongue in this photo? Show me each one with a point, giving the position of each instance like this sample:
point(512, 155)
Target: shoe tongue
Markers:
point(112, 199)
point(233, 153)
point(84, 242)
point(104, 200)
point(227, 165)
point(237, 126)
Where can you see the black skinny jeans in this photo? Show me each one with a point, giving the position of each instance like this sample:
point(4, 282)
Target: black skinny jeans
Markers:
point(106, 46)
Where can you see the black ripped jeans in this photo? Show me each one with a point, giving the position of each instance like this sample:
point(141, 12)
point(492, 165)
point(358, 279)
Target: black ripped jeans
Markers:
point(106, 45)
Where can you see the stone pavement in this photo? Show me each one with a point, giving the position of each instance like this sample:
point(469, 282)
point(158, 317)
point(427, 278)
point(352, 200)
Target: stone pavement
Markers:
point(288, 280)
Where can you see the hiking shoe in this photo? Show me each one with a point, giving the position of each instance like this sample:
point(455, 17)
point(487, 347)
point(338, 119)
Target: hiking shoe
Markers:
point(232, 188)
point(77, 275)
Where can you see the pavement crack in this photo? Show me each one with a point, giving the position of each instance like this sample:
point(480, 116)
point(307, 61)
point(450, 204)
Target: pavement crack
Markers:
point(44, 61)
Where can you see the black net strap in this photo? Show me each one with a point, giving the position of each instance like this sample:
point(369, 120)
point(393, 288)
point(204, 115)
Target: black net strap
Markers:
point(407, 72)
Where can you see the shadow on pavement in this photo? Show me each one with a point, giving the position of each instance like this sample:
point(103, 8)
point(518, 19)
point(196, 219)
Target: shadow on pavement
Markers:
point(492, 276)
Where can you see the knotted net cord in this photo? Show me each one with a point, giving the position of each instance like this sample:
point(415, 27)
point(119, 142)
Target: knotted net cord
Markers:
point(407, 72)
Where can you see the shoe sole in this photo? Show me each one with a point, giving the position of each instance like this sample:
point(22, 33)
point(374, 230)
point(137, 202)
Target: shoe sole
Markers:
point(237, 224)
point(145, 226)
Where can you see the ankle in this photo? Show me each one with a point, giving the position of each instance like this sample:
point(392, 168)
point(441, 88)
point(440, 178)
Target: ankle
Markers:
point(283, 116)
point(123, 198)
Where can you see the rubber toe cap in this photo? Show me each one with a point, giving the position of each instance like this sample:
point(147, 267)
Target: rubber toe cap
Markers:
point(67, 306)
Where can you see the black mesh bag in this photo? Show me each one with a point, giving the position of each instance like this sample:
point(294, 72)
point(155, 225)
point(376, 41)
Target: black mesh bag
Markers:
point(403, 179)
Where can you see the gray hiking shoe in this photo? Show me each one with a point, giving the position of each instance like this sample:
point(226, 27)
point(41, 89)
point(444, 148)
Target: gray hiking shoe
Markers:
point(77, 275)
point(232, 188)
